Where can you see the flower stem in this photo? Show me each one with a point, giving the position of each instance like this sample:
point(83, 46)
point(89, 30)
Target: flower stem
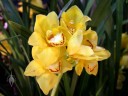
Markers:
point(74, 82)
point(53, 93)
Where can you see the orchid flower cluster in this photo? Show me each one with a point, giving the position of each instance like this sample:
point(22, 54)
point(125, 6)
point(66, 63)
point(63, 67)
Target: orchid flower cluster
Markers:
point(60, 45)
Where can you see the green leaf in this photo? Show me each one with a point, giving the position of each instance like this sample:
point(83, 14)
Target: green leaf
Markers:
point(83, 86)
point(89, 5)
point(109, 26)
point(38, 9)
point(10, 11)
point(74, 82)
point(100, 12)
point(119, 22)
point(19, 29)
point(22, 83)
point(53, 5)
point(65, 7)
point(66, 82)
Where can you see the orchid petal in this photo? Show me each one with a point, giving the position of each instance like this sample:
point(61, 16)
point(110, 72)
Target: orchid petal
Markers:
point(36, 40)
point(52, 20)
point(101, 53)
point(40, 20)
point(75, 42)
point(91, 67)
point(34, 69)
point(79, 67)
point(74, 13)
point(85, 51)
point(49, 55)
point(90, 38)
point(46, 82)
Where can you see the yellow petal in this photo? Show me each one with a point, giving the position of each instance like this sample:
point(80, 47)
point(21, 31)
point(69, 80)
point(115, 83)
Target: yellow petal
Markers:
point(86, 19)
point(33, 69)
point(46, 82)
point(52, 20)
point(6, 48)
point(49, 55)
point(65, 65)
point(92, 57)
point(62, 51)
point(37, 3)
point(82, 23)
point(5, 44)
point(91, 67)
point(124, 40)
point(73, 19)
point(35, 51)
point(45, 23)
point(101, 53)
point(124, 61)
point(79, 67)
point(40, 25)
point(75, 42)
point(90, 38)
point(61, 66)
point(66, 33)
point(85, 51)
point(36, 40)
point(73, 14)
point(57, 39)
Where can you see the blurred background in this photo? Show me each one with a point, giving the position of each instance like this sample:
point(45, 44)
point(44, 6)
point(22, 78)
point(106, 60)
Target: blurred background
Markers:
point(109, 20)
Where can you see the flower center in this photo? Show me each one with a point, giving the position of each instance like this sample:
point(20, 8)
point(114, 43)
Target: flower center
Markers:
point(56, 40)
point(71, 22)
point(71, 26)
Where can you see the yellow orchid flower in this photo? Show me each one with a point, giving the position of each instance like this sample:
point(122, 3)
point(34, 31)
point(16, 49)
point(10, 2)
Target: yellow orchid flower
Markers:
point(73, 19)
point(124, 61)
point(5, 44)
point(124, 40)
point(47, 32)
point(82, 43)
point(46, 75)
point(37, 3)
point(83, 46)
point(48, 52)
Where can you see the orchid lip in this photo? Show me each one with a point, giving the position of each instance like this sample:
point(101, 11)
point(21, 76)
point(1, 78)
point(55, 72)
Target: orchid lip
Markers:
point(55, 68)
point(56, 40)
point(91, 69)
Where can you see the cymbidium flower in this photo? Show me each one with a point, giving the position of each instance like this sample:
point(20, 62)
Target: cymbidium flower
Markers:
point(6, 45)
point(83, 47)
point(73, 20)
point(124, 40)
point(48, 52)
point(124, 61)
point(82, 43)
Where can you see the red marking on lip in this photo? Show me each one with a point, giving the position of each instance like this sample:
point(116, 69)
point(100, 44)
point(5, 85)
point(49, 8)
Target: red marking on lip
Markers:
point(90, 44)
point(55, 70)
point(91, 69)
